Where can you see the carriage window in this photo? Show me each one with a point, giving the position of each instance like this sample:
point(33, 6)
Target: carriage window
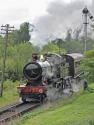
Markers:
point(66, 69)
point(77, 67)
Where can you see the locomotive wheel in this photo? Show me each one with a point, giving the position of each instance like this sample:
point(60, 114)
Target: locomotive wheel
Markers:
point(42, 98)
point(24, 100)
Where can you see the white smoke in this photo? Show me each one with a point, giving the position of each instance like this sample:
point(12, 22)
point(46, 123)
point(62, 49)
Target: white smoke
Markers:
point(59, 18)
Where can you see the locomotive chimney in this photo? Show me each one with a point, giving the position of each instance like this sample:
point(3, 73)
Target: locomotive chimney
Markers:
point(34, 57)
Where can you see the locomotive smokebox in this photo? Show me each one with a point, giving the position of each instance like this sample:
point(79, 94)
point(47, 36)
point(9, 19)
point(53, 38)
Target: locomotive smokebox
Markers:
point(32, 71)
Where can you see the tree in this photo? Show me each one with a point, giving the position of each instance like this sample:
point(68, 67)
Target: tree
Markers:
point(52, 47)
point(77, 34)
point(22, 35)
point(17, 56)
point(73, 46)
point(88, 65)
point(1, 39)
point(59, 42)
point(16, 37)
point(24, 32)
point(69, 35)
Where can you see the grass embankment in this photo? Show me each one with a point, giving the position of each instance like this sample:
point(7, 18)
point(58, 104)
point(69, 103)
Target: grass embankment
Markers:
point(78, 110)
point(10, 94)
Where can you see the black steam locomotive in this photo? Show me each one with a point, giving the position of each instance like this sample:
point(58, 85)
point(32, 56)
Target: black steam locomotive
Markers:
point(54, 69)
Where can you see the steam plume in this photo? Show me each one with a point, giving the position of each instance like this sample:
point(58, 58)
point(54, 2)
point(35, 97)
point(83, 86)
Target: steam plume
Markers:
point(59, 18)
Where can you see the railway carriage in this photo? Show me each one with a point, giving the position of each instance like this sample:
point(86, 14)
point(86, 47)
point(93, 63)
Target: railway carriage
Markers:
point(74, 60)
point(72, 71)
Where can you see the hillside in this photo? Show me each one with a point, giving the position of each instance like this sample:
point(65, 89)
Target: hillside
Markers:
point(10, 94)
point(79, 110)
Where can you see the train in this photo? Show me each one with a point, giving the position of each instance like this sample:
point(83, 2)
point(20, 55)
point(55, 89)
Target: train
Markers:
point(57, 70)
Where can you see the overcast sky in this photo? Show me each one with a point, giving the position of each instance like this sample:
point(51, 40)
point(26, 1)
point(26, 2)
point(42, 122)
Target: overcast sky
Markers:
point(50, 16)
point(18, 11)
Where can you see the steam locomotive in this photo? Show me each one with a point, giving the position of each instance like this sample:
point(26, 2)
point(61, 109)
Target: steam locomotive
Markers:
point(54, 69)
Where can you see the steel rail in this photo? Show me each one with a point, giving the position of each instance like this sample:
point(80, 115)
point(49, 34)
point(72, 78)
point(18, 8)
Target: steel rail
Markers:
point(16, 110)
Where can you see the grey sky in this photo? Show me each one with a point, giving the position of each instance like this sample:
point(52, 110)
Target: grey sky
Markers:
point(51, 17)
point(17, 11)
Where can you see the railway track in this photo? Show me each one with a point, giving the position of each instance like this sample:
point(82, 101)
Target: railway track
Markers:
point(10, 112)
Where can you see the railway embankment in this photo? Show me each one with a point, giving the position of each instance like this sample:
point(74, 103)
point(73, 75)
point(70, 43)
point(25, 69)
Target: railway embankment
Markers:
point(75, 110)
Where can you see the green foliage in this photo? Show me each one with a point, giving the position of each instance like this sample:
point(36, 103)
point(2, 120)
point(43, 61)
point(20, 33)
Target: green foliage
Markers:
point(91, 122)
point(20, 36)
point(37, 49)
point(1, 39)
point(17, 57)
point(73, 46)
point(10, 94)
point(24, 32)
point(88, 65)
point(51, 47)
point(89, 54)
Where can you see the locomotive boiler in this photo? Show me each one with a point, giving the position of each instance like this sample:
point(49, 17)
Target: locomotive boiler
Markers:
point(39, 73)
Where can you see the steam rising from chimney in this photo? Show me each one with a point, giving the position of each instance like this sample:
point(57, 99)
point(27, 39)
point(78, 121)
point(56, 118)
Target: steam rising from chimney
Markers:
point(59, 18)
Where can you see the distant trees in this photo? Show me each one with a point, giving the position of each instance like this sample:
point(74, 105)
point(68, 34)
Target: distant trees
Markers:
point(52, 47)
point(70, 46)
point(69, 35)
point(20, 36)
point(1, 39)
point(24, 32)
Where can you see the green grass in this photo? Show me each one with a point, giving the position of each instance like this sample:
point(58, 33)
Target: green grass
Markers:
point(10, 94)
point(78, 110)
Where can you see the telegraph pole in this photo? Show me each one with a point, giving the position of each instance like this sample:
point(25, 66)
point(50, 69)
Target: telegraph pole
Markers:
point(6, 29)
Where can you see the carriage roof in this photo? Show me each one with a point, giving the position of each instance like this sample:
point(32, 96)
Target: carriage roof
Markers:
point(75, 56)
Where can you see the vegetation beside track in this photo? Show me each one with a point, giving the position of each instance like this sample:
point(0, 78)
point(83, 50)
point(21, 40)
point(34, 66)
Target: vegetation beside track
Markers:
point(10, 94)
point(77, 110)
